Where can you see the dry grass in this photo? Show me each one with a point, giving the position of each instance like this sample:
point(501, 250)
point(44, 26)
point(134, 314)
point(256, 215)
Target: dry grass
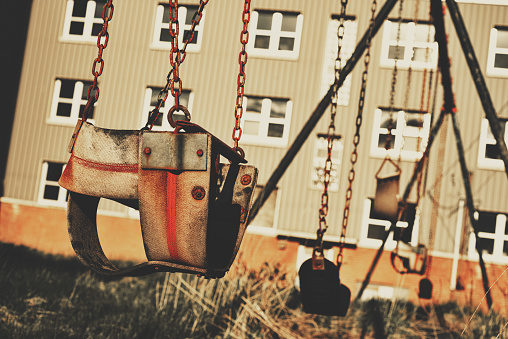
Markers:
point(49, 297)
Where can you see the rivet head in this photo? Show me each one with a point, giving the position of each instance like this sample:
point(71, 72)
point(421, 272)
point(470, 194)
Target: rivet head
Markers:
point(147, 150)
point(198, 192)
point(245, 179)
point(199, 152)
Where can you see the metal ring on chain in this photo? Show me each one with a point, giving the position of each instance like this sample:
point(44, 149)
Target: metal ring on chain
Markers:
point(240, 151)
point(175, 108)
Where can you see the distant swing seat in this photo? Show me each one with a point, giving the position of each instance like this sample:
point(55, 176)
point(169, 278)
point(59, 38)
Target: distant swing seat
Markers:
point(193, 209)
point(386, 200)
point(320, 287)
point(413, 258)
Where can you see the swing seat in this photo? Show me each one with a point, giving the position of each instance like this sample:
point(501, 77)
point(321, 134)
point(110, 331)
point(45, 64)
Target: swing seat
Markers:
point(425, 289)
point(193, 209)
point(413, 258)
point(386, 199)
point(321, 290)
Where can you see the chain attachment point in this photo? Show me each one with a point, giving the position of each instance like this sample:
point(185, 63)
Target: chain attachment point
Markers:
point(178, 108)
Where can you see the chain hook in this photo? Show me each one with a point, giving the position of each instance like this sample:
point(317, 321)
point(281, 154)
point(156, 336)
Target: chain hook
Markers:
point(175, 108)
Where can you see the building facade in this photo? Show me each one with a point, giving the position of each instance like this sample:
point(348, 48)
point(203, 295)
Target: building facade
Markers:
point(291, 56)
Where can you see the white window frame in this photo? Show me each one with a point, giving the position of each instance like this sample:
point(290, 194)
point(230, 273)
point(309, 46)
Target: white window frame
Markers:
point(264, 119)
point(379, 291)
point(255, 227)
point(75, 102)
point(330, 55)
point(493, 50)
point(275, 34)
point(88, 21)
point(486, 138)
point(170, 101)
point(399, 132)
point(390, 243)
point(318, 163)
point(62, 192)
point(182, 14)
point(499, 238)
point(409, 44)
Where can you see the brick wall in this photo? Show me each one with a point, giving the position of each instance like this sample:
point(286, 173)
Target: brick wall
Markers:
point(45, 229)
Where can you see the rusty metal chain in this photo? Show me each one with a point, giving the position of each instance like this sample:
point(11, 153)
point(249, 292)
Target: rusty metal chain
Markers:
point(323, 211)
point(188, 37)
point(394, 82)
point(356, 138)
point(242, 60)
point(175, 56)
point(107, 14)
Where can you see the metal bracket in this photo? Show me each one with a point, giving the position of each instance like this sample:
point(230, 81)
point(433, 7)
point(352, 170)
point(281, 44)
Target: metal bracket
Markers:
point(169, 151)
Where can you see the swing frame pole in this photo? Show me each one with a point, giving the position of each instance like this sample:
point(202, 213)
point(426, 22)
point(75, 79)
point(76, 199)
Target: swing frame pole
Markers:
point(436, 9)
point(318, 112)
point(478, 80)
point(448, 109)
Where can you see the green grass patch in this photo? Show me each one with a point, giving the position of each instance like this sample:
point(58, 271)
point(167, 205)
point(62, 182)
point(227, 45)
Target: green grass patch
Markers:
point(45, 296)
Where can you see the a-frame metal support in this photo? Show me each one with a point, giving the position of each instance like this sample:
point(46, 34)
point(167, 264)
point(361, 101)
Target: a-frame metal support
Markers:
point(449, 109)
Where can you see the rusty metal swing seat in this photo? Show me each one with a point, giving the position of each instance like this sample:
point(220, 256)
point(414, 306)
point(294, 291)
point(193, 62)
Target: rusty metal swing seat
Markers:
point(193, 209)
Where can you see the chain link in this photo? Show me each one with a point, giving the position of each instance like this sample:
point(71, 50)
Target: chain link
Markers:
point(323, 211)
point(389, 136)
point(175, 56)
point(107, 14)
point(356, 138)
point(188, 37)
point(242, 60)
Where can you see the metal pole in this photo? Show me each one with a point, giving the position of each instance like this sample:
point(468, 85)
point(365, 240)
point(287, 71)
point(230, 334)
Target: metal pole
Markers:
point(318, 112)
point(436, 9)
point(479, 81)
point(470, 207)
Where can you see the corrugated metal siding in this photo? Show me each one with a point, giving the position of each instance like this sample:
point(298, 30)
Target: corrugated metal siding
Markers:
point(131, 65)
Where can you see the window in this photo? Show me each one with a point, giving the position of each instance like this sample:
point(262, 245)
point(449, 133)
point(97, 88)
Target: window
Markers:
point(488, 155)
point(410, 133)
point(50, 193)
point(266, 121)
point(69, 100)
point(416, 47)
point(497, 63)
point(374, 230)
point(265, 221)
point(162, 123)
point(275, 34)
point(493, 236)
point(319, 160)
point(161, 36)
point(330, 54)
point(83, 20)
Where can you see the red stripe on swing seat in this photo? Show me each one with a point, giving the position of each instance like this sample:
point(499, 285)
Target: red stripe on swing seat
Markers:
point(128, 168)
point(171, 180)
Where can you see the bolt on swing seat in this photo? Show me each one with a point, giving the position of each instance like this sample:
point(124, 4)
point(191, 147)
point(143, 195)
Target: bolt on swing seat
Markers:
point(193, 209)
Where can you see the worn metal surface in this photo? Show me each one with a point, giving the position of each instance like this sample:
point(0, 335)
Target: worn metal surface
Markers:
point(166, 150)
